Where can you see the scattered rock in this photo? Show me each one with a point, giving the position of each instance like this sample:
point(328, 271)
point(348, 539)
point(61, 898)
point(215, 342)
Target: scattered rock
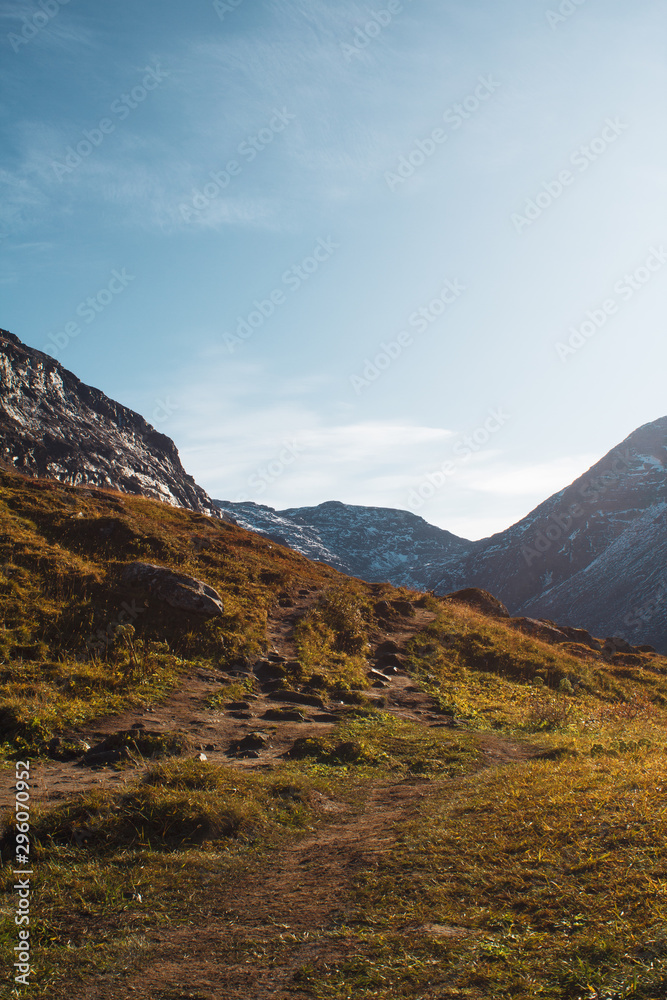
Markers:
point(579, 635)
point(306, 746)
point(387, 647)
point(480, 600)
point(616, 644)
point(283, 715)
point(237, 706)
point(201, 756)
point(297, 698)
point(184, 593)
point(269, 670)
point(249, 744)
point(377, 675)
point(390, 662)
point(404, 608)
point(538, 630)
point(383, 609)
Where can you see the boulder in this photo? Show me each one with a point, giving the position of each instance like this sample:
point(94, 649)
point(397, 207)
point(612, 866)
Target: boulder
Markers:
point(539, 630)
point(580, 636)
point(181, 592)
point(387, 647)
point(616, 644)
point(480, 600)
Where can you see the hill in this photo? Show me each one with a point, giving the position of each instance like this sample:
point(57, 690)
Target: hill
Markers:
point(307, 784)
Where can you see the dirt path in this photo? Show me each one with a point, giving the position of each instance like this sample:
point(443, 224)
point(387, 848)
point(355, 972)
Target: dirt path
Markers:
point(286, 909)
point(211, 731)
point(251, 938)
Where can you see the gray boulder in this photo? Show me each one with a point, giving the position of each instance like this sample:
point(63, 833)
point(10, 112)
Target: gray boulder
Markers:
point(184, 593)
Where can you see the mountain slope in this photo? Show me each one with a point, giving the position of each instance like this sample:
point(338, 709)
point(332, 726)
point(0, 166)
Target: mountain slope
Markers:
point(373, 543)
point(53, 426)
point(593, 554)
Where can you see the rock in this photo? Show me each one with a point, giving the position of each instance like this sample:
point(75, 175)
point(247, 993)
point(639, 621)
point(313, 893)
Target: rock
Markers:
point(269, 670)
point(346, 753)
point(387, 647)
point(306, 746)
point(383, 609)
point(249, 744)
point(404, 608)
point(538, 630)
point(201, 756)
point(326, 717)
point(377, 675)
point(283, 715)
point(480, 600)
point(390, 661)
point(616, 644)
point(644, 649)
point(297, 698)
point(275, 657)
point(237, 706)
point(181, 592)
point(579, 635)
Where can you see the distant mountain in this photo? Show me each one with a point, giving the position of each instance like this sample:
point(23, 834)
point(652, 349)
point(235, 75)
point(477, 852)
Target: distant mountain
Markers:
point(54, 426)
point(373, 543)
point(594, 554)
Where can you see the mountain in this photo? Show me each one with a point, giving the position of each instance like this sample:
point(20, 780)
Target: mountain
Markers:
point(594, 554)
point(374, 543)
point(53, 426)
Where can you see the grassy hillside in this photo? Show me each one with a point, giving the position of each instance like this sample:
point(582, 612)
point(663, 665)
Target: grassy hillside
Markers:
point(492, 823)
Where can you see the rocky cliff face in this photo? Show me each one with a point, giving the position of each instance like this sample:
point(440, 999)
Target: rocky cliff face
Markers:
point(54, 426)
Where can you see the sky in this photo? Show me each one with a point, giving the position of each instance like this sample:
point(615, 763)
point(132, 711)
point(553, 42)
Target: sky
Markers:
point(403, 253)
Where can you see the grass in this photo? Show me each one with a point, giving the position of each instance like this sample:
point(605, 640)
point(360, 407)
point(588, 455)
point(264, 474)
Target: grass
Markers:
point(544, 880)
point(68, 653)
point(541, 877)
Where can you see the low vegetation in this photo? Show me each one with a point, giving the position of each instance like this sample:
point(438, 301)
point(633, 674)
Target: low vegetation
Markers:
point(528, 861)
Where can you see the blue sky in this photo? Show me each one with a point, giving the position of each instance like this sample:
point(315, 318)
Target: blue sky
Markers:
point(224, 214)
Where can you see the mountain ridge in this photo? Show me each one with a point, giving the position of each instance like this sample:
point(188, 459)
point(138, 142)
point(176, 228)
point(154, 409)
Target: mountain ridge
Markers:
point(52, 425)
